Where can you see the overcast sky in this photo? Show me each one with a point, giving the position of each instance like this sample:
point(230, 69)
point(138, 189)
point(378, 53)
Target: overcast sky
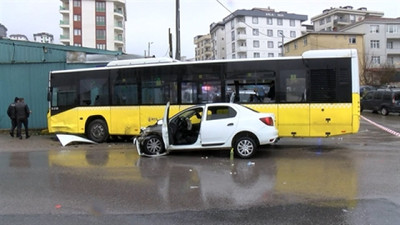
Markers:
point(149, 20)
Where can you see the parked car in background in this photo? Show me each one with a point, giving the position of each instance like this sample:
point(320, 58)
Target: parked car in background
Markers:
point(384, 101)
point(364, 89)
point(209, 126)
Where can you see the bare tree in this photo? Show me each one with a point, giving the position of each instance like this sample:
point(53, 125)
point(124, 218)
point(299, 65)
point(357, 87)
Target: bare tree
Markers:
point(375, 75)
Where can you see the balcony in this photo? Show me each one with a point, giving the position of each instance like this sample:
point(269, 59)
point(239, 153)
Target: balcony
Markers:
point(64, 23)
point(64, 38)
point(118, 25)
point(241, 49)
point(241, 25)
point(118, 13)
point(392, 35)
point(64, 9)
point(241, 36)
point(118, 39)
point(342, 22)
point(393, 51)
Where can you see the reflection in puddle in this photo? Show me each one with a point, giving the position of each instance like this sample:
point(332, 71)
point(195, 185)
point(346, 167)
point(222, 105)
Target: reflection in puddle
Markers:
point(195, 182)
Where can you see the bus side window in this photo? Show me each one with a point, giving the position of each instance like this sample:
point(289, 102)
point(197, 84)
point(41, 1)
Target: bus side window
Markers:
point(293, 86)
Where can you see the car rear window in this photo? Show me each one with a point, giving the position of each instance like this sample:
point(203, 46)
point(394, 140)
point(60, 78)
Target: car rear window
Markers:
point(220, 112)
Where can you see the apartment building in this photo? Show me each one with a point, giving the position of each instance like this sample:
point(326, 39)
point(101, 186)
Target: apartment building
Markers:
point(203, 49)
point(256, 33)
point(95, 24)
point(334, 19)
point(19, 37)
point(381, 40)
point(217, 32)
point(3, 31)
point(43, 37)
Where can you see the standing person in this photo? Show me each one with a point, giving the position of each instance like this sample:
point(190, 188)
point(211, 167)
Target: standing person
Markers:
point(22, 114)
point(11, 113)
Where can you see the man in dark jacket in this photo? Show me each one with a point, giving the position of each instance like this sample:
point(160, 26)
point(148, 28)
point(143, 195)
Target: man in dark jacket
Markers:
point(11, 113)
point(22, 114)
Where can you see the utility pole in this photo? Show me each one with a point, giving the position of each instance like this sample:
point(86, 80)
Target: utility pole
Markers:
point(283, 42)
point(178, 33)
point(170, 43)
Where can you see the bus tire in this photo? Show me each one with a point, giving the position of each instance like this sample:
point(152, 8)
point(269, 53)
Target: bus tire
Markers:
point(245, 147)
point(98, 131)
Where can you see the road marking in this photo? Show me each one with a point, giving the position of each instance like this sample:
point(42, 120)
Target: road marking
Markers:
point(395, 133)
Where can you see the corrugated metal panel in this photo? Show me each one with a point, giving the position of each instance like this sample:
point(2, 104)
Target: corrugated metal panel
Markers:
point(24, 70)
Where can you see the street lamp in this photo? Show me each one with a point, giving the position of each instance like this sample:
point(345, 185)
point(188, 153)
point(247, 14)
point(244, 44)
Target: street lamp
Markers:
point(148, 49)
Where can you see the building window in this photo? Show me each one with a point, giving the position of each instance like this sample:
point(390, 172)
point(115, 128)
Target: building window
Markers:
point(233, 47)
point(241, 19)
point(376, 60)
point(255, 20)
point(280, 22)
point(100, 6)
point(233, 56)
point(78, 44)
point(77, 32)
point(270, 33)
point(232, 24)
point(352, 18)
point(100, 34)
point(305, 41)
point(101, 46)
point(269, 21)
point(256, 44)
point(292, 34)
point(233, 35)
point(256, 55)
point(390, 60)
point(280, 33)
point(77, 3)
point(255, 32)
point(393, 29)
point(77, 17)
point(100, 20)
point(270, 55)
point(352, 40)
point(374, 43)
point(295, 45)
point(389, 45)
point(270, 44)
point(292, 23)
point(374, 29)
point(328, 19)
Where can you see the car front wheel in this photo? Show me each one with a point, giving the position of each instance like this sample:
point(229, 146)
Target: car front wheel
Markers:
point(245, 147)
point(384, 111)
point(153, 145)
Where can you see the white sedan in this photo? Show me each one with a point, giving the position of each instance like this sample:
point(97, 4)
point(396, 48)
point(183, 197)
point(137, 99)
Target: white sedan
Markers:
point(209, 126)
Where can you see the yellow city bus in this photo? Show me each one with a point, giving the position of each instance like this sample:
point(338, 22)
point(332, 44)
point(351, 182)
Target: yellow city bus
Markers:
point(313, 95)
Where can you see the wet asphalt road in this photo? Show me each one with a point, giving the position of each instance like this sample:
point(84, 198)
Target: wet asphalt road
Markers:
point(352, 179)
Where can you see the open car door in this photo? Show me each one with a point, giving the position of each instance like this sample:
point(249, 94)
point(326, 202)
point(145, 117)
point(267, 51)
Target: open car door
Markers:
point(164, 129)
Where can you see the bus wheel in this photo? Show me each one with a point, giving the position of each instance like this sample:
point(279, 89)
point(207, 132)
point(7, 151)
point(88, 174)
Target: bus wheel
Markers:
point(97, 131)
point(245, 147)
point(153, 145)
